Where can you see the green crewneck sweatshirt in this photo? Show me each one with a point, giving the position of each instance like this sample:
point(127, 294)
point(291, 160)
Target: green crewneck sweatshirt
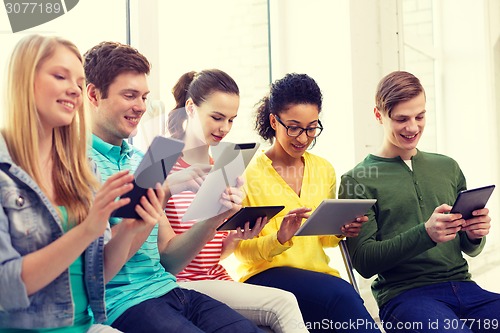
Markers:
point(394, 243)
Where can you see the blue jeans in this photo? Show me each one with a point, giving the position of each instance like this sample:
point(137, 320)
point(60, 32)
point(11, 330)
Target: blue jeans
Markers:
point(327, 303)
point(182, 311)
point(443, 307)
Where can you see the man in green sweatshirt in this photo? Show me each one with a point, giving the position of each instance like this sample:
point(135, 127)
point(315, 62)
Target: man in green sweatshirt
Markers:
point(412, 242)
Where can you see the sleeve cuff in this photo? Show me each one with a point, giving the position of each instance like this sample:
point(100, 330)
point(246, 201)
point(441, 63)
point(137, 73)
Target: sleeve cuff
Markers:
point(278, 248)
point(471, 247)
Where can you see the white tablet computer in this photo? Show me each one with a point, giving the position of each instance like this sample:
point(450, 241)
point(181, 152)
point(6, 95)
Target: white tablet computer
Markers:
point(154, 168)
point(231, 161)
point(332, 214)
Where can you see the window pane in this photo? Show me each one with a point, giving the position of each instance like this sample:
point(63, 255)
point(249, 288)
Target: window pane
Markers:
point(225, 34)
point(420, 60)
point(88, 23)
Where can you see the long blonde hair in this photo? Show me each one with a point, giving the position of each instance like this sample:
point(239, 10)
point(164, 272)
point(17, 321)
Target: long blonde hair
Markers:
point(74, 182)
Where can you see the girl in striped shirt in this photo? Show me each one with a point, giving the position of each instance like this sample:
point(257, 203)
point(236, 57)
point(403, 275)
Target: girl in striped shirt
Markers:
point(207, 104)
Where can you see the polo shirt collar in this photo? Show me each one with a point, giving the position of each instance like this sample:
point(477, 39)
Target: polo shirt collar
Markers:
point(112, 151)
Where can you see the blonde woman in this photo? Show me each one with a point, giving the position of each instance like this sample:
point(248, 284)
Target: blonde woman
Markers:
point(53, 262)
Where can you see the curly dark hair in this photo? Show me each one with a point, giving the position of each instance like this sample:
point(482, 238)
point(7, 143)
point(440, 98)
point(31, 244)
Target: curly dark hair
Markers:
point(105, 61)
point(292, 89)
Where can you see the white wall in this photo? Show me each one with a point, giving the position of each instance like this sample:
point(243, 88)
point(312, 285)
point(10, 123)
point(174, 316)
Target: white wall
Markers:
point(470, 118)
point(313, 37)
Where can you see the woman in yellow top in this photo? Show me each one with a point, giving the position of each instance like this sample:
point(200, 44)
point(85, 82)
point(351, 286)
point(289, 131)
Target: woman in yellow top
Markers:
point(287, 174)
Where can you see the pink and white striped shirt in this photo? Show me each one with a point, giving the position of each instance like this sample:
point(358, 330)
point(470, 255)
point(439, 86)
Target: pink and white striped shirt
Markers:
point(205, 266)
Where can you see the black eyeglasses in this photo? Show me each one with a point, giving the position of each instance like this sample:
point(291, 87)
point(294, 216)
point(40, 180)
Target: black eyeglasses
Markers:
point(295, 131)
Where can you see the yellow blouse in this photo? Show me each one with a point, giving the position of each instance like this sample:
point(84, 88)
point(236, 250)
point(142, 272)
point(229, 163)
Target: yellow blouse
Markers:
point(264, 186)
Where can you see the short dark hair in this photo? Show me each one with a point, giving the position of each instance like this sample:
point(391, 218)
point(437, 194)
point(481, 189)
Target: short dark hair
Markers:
point(395, 88)
point(105, 61)
point(292, 89)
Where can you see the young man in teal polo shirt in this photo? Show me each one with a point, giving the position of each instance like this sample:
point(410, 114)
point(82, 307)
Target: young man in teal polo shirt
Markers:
point(143, 296)
point(411, 240)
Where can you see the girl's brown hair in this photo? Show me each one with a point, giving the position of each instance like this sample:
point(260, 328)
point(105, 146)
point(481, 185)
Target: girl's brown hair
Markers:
point(198, 87)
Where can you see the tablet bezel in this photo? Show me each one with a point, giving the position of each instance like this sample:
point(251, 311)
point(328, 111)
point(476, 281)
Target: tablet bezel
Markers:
point(231, 161)
point(162, 150)
point(337, 212)
point(249, 214)
point(470, 200)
